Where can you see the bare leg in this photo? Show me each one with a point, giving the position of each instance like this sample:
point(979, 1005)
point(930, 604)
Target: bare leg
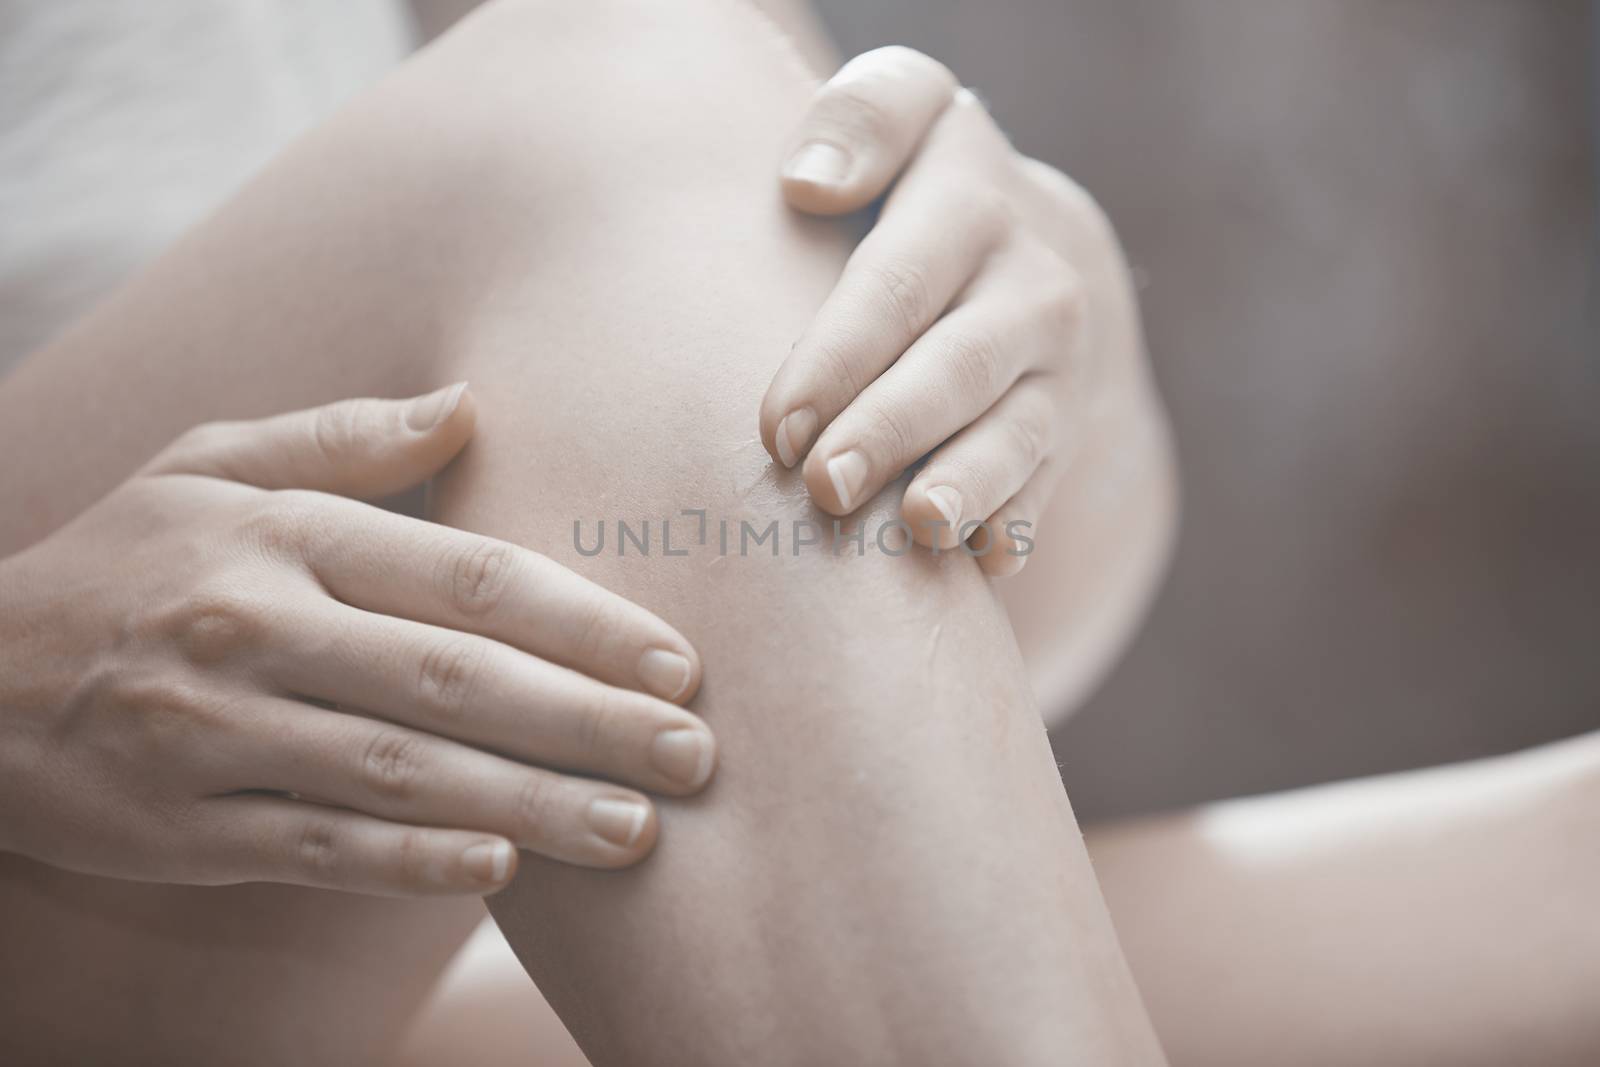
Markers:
point(486, 1003)
point(1436, 916)
point(887, 854)
point(886, 868)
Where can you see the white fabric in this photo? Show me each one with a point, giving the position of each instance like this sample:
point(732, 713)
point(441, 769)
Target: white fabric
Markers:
point(123, 122)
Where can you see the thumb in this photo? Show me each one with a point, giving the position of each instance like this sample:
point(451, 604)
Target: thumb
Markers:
point(360, 448)
point(863, 127)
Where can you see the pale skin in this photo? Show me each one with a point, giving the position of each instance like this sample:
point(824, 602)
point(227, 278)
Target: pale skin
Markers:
point(256, 630)
point(881, 110)
point(1491, 855)
point(514, 520)
point(418, 325)
point(1434, 916)
point(961, 331)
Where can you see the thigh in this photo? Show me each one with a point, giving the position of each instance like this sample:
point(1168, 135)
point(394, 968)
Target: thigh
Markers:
point(399, 233)
point(365, 261)
point(885, 868)
point(573, 206)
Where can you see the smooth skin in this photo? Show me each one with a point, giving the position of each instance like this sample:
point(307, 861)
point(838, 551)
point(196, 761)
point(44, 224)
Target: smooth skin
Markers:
point(887, 113)
point(1442, 915)
point(886, 869)
point(831, 897)
point(1433, 916)
point(335, 695)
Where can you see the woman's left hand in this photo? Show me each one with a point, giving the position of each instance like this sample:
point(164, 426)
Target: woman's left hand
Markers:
point(987, 317)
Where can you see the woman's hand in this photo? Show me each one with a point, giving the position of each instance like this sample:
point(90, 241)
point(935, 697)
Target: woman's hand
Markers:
point(986, 318)
point(228, 671)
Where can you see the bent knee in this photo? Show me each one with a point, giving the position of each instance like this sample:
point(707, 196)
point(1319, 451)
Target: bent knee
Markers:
point(629, 91)
point(584, 149)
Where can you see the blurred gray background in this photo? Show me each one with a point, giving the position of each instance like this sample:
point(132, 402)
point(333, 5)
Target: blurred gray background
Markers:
point(1367, 235)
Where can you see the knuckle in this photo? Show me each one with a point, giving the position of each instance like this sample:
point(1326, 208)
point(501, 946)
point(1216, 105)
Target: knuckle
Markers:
point(476, 577)
point(168, 710)
point(535, 806)
point(833, 358)
point(890, 432)
point(317, 847)
point(217, 624)
point(975, 363)
point(979, 473)
point(281, 522)
point(410, 860)
point(391, 763)
point(448, 676)
point(338, 428)
point(1028, 432)
point(598, 624)
point(905, 293)
point(1062, 302)
point(598, 722)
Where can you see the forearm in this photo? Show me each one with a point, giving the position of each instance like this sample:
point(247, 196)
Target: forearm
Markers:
point(1437, 916)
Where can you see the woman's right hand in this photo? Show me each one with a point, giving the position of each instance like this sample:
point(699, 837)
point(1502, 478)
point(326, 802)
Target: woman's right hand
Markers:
point(228, 671)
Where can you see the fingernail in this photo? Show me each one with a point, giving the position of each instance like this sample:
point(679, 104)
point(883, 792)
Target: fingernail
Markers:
point(819, 163)
point(618, 821)
point(426, 412)
point(488, 861)
point(947, 502)
point(683, 754)
point(666, 674)
point(794, 434)
point(848, 472)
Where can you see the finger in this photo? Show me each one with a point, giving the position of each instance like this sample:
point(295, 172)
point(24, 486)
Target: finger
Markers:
point(487, 694)
point(943, 220)
point(362, 448)
point(1006, 540)
point(968, 478)
point(950, 376)
point(435, 574)
point(391, 772)
point(272, 839)
point(863, 127)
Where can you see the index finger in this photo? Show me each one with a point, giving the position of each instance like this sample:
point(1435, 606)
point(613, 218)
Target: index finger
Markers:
point(938, 228)
point(863, 127)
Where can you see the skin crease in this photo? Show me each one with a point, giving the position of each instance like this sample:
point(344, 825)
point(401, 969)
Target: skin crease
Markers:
point(425, 215)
